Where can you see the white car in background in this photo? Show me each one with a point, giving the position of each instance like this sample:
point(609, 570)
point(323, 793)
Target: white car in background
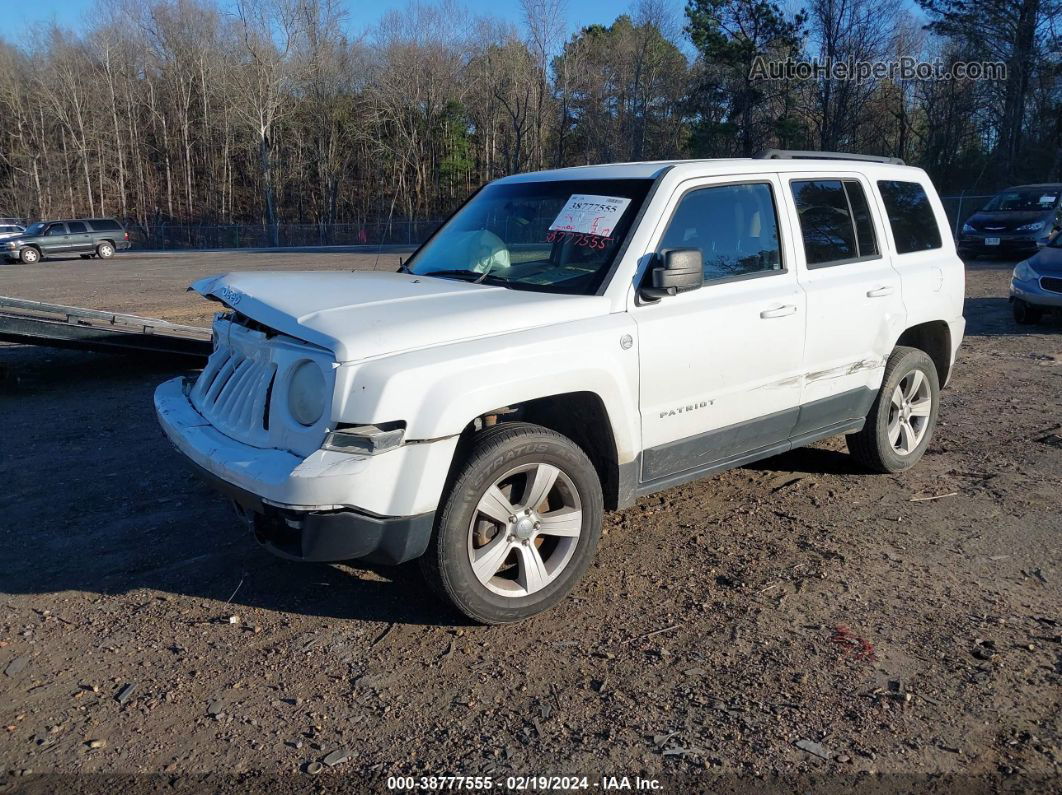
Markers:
point(10, 230)
point(567, 342)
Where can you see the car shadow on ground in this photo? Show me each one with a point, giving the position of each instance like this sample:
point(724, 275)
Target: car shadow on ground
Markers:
point(811, 461)
point(992, 317)
point(97, 501)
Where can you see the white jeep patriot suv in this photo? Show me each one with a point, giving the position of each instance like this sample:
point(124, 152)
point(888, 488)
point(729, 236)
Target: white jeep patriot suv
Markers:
point(566, 342)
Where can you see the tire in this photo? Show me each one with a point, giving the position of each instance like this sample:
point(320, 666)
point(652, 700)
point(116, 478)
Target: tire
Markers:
point(910, 380)
point(29, 255)
point(1025, 314)
point(105, 250)
point(533, 569)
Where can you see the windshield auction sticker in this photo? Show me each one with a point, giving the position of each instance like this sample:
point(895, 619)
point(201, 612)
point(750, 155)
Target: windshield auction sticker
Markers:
point(590, 215)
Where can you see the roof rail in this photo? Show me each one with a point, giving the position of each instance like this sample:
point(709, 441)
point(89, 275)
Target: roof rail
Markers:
point(803, 154)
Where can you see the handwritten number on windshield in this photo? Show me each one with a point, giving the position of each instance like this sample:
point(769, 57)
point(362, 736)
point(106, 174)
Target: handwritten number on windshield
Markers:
point(588, 241)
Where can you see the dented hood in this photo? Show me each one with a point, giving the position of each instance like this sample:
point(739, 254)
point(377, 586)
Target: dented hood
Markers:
point(366, 314)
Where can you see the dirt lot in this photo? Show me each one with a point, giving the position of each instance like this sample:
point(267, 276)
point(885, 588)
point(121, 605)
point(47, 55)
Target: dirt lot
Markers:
point(723, 622)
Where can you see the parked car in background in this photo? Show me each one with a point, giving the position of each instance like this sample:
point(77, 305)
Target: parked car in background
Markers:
point(88, 237)
point(1015, 221)
point(1036, 285)
point(10, 230)
point(567, 342)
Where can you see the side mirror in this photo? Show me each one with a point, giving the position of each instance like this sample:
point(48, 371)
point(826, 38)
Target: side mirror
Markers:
point(682, 271)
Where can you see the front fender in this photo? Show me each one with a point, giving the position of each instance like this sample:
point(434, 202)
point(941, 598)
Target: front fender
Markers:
point(439, 390)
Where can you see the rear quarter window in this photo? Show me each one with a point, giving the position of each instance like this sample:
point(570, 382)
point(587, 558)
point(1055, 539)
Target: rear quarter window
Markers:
point(914, 226)
point(105, 226)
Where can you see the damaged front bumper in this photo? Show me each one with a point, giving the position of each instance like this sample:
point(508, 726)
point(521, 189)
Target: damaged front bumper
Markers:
point(327, 506)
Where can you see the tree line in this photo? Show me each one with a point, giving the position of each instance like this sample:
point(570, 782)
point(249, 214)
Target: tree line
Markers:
point(270, 111)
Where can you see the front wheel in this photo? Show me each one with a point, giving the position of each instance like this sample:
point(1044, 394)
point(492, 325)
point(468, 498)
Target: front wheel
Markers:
point(904, 415)
point(105, 250)
point(519, 525)
point(29, 255)
point(1025, 314)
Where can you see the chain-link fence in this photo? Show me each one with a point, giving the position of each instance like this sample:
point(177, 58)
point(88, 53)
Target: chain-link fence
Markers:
point(961, 207)
point(180, 236)
point(166, 235)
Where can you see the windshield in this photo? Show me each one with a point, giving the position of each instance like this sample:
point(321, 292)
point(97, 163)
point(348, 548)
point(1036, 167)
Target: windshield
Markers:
point(1024, 200)
point(36, 229)
point(554, 236)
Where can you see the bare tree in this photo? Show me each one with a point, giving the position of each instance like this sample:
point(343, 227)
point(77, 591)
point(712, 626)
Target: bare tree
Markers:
point(266, 32)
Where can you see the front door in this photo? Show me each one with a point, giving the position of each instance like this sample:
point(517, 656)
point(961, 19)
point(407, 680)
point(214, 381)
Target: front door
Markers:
point(720, 366)
point(56, 239)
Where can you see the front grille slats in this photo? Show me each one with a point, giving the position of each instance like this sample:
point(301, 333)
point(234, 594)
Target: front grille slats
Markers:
point(232, 391)
point(237, 387)
point(257, 409)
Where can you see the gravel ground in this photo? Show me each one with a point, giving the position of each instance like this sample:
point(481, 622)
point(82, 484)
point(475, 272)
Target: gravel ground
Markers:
point(797, 617)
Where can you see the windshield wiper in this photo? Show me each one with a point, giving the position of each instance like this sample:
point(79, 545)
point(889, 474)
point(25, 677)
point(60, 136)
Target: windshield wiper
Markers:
point(467, 275)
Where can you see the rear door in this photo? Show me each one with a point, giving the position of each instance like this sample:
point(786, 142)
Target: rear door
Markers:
point(855, 309)
point(932, 274)
point(80, 239)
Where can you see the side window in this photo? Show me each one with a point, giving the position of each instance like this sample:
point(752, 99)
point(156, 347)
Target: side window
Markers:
point(835, 221)
point(76, 228)
point(914, 227)
point(56, 229)
point(864, 224)
point(734, 226)
point(103, 225)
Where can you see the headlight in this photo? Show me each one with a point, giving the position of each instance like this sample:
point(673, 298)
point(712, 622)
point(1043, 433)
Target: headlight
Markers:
point(1031, 227)
point(967, 229)
point(306, 393)
point(11, 244)
point(366, 439)
point(1023, 271)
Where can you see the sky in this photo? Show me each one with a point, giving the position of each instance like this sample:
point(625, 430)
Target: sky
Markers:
point(362, 14)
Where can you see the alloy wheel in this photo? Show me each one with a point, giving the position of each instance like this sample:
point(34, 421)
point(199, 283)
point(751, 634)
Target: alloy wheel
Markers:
point(525, 530)
point(909, 412)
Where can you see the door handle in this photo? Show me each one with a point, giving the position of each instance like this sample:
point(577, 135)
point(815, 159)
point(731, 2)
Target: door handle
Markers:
point(779, 311)
point(880, 292)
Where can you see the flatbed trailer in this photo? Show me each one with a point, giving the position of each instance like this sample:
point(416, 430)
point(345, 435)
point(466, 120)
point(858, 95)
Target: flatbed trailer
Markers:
point(58, 326)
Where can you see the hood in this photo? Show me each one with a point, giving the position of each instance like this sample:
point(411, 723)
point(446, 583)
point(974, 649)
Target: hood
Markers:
point(1006, 220)
point(1047, 261)
point(366, 314)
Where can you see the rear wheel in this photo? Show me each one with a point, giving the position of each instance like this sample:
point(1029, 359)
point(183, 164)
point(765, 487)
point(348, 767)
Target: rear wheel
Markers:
point(519, 525)
point(105, 250)
point(29, 255)
point(904, 415)
point(1025, 314)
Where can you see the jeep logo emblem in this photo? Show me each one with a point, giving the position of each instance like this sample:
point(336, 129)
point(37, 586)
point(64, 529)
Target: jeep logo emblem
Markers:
point(229, 296)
